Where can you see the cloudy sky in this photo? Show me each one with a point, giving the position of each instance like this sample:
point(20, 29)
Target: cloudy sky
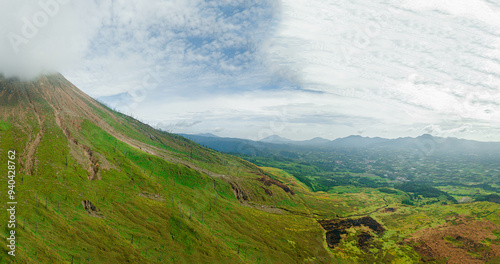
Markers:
point(250, 69)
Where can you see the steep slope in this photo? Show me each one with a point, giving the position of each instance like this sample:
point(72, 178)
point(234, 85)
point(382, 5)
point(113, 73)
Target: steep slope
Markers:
point(96, 186)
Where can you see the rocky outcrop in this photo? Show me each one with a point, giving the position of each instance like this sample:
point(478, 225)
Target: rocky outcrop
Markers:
point(91, 209)
point(337, 227)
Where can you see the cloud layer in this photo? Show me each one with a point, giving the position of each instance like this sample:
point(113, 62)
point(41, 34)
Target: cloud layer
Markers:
point(43, 36)
point(249, 69)
point(176, 45)
point(436, 62)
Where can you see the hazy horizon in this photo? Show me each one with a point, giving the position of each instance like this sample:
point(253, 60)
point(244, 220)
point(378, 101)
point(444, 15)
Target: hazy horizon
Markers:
point(331, 139)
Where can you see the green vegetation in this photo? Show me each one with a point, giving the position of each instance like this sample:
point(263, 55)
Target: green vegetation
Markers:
point(165, 199)
point(4, 125)
point(494, 198)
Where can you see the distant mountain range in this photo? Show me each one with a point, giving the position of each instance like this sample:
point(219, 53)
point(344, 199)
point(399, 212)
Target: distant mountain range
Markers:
point(317, 141)
point(425, 143)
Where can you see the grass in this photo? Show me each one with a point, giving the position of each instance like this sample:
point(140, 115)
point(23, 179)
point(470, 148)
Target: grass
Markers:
point(453, 241)
point(199, 220)
point(195, 217)
point(4, 125)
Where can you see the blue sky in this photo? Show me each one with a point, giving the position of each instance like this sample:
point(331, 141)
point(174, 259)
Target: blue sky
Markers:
point(296, 68)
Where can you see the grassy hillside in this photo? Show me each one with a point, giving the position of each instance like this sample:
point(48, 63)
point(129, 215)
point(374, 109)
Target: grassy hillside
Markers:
point(160, 197)
point(96, 186)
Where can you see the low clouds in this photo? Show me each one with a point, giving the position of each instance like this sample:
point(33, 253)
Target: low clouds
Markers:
point(42, 36)
point(433, 60)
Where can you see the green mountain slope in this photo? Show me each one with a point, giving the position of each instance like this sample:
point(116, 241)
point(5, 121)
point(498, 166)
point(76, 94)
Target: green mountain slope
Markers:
point(96, 186)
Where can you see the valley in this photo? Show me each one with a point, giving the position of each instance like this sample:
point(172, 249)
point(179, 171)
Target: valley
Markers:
point(250, 132)
point(97, 186)
point(402, 188)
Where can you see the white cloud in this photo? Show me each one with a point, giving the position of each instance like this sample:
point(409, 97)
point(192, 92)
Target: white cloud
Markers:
point(257, 114)
point(433, 60)
point(296, 68)
point(197, 44)
point(43, 36)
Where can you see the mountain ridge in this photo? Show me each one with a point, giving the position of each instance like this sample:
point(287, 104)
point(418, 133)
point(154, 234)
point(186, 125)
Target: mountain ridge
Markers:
point(276, 139)
point(97, 185)
point(423, 142)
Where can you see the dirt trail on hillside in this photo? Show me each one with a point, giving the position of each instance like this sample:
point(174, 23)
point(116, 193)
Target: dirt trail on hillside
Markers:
point(28, 155)
point(239, 193)
point(92, 161)
point(92, 167)
point(81, 105)
point(385, 207)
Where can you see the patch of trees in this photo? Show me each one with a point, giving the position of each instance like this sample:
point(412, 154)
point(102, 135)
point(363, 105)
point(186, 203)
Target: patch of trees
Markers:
point(419, 189)
point(387, 190)
point(348, 180)
point(494, 198)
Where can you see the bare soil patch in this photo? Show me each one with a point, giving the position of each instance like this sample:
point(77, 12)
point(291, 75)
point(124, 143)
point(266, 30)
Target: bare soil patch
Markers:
point(156, 197)
point(389, 210)
point(28, 160)
point(240, 194)
point(268, 182)
point(267, 191)
point(460, 240)
point(91, 209)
